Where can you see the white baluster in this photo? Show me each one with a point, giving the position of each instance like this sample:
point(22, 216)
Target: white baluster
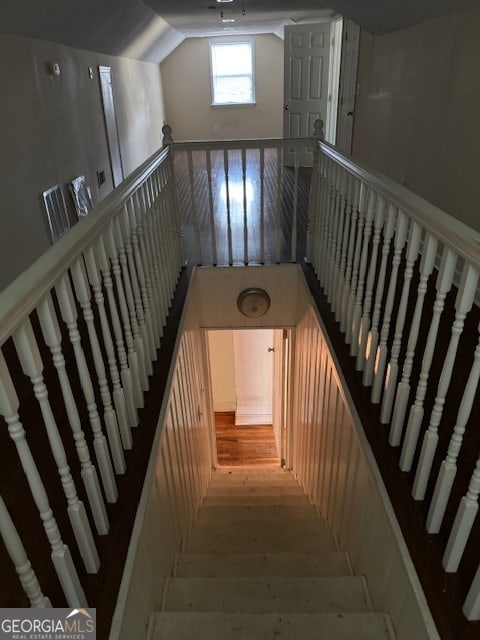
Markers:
point(137, 291)
point(147, 206)
point(128, 366)
point(354, 190)
point(296, 164)
point(157, 196)
point(193, 201)
point(448, 469)
point(162, 238)
point(342, 242)
point(463, 304)
point(53, 337)
point(429, 253)
point(227, 197)
point(313, 203)
point(382, 349)
point(413, 246)
point(212, 211)
point(471, 606)
point(154, 326)
point(166, 232)
point(32, 366)
point(319, 217)
point(443, 285)
point(373, 334)
point(367, 305)
point(351, 302)
point(262, 206)
point(278, 204)
point(370, 208)
point(245, 212)
point(61, 557)
point(163, 275)
point(122, 398)
point(18, 555)
point(333, 220)
point(135, 342)
point(69, 315)
point(466, 513)
point(83, 294)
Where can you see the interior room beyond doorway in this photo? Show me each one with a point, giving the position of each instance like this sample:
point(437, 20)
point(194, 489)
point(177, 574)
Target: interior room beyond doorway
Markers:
point(243, 382)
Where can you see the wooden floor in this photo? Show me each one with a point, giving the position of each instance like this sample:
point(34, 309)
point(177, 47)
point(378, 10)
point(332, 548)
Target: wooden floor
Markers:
point(269, 210)
point(244, 445)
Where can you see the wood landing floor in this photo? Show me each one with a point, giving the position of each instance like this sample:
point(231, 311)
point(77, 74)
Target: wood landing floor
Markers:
point(244, 445)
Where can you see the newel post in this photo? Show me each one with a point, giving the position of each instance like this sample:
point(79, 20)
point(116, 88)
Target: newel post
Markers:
point(167, 139)
point(315, 188)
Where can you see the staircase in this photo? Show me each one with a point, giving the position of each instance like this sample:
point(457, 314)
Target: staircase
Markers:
point(261, 564)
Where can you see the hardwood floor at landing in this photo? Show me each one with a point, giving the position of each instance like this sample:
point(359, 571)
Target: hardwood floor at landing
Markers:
point(244, 445)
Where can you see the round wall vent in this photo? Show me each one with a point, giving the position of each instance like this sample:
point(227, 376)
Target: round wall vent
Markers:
point(253, 302)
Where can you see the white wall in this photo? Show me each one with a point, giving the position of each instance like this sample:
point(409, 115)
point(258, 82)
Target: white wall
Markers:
point(178, 472)
point(332, 459)
point(417, 110)
point(222, 370)
point(186, 78)
point(52, 130)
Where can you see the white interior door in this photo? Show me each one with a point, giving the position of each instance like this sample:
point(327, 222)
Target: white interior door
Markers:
point(253, 361)
point(307, 49)
point(111, 124)
point(348, 86)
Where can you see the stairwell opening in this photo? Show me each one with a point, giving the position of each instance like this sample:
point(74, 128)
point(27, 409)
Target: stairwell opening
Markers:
point(247, 379)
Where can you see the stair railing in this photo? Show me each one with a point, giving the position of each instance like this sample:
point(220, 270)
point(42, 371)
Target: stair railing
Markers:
point(400, 274)
point(82, 325)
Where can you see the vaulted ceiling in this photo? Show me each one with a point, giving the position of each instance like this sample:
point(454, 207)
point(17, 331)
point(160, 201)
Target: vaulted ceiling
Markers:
point(151, 29)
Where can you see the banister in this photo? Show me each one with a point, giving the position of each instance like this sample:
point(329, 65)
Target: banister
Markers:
point(19, 298)
point(447, 229)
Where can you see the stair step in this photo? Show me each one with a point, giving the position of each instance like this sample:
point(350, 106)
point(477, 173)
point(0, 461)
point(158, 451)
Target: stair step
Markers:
point(257, 538)
point(245, 479)
point(281, 514)
point(334, 563)
point(249, 490)
point(281, 626)
point(255, 500)
point(252, 471)
point(262, 594)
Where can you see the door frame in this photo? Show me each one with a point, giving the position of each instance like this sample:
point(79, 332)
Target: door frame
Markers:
point(285, 357)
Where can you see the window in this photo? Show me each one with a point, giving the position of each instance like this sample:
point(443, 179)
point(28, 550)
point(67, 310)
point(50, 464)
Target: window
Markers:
point(232, 72)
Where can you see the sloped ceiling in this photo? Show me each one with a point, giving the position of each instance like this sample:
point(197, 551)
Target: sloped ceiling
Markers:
point(150, 30)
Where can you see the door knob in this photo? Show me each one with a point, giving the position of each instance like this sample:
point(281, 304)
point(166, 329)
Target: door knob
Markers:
point(286, 107)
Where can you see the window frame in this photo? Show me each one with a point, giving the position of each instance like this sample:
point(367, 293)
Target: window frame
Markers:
point(232, 41)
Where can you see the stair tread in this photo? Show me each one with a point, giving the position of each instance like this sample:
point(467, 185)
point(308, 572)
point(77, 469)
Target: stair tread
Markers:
point(261, 594)
point(254, 537)
point(248, 490)
point(243, 513)
point(281, 626)
point(266, 564)
point(255, 500)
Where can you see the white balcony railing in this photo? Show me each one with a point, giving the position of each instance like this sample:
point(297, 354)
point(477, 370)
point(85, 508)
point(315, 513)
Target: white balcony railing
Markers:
point(369, 241)
point(89, 312)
